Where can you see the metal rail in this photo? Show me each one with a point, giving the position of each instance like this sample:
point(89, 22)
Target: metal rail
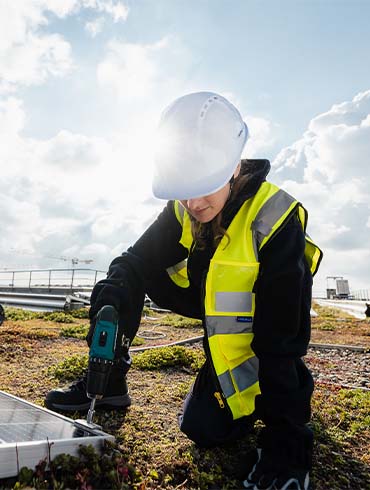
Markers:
point(44, 302)
point(49, 279)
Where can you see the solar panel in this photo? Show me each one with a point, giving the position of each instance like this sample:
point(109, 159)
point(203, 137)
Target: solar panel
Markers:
point(28, 434)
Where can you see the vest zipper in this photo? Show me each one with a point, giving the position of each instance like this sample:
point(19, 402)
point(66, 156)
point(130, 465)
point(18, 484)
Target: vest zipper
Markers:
point(218, 394)
point(218, 397)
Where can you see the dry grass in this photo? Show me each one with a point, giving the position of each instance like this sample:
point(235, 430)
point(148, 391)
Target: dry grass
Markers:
point(147, 433)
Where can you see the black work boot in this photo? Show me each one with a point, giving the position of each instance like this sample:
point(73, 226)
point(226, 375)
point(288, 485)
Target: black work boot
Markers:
point(74, 398)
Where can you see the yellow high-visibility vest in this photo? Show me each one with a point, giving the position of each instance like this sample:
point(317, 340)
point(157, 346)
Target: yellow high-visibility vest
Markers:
point(229, 298)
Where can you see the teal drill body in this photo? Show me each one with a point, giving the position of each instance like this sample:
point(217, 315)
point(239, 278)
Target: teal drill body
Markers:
point(101, 355)
point(104, 340)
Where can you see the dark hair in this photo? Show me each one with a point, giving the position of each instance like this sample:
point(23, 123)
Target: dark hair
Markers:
point(211, 233)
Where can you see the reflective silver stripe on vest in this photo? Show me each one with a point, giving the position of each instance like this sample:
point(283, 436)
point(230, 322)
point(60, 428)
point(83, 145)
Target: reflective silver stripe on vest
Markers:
point(219, 325)
point(226, 384)
point(181, 210)
point(268, 215)
point(177, 267)
point(229, 302)
point(246, 374)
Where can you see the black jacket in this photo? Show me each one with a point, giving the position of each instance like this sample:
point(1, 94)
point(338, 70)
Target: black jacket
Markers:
point(283, 298)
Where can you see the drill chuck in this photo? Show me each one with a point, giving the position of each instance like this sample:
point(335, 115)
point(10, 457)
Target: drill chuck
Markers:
point(97, 377)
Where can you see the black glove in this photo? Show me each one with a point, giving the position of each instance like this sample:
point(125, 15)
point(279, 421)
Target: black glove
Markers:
point(122, 285)
point(284, 460)
point(107, 292)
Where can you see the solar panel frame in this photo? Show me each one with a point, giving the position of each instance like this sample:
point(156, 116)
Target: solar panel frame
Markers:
point(18, 453)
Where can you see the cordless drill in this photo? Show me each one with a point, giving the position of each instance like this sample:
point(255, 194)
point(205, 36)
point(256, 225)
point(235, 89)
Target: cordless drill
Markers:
point(101, 355)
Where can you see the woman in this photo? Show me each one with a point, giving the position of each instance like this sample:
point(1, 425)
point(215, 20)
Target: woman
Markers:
point(228, 248)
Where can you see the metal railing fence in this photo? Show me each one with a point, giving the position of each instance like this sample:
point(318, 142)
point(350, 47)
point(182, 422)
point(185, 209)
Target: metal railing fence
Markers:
point(50, 278)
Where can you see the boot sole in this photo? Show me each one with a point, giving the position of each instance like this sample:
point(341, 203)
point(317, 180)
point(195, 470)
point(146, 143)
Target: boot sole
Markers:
point(109, 403)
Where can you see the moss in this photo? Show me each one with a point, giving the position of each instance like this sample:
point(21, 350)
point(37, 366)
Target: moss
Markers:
point(341, 426)
point(147, 311)
point(179, 321)
point(346, 413)
point(19, 314)
point(164, 357)
point(58, 316)
point(79, 313)
point(40, 333)
point(137, 341)
point(326, 312)
point(148, 435)
point(69, 369)
point(326, 326)
point(18, 333)
point(75, 331)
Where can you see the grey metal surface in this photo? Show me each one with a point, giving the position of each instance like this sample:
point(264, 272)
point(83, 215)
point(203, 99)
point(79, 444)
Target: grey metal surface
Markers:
point(48, 289)
point(44, 302)
point(353, 307)
point(20, 422)
point(29, 433)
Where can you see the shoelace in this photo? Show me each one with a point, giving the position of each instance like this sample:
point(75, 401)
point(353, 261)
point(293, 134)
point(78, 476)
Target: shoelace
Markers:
point(79, 384)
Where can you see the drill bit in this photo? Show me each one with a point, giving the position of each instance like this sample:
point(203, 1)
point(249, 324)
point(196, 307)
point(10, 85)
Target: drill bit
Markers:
point(91, 411)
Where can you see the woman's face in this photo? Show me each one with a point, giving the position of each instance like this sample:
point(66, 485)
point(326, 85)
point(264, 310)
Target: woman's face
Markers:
point(205, 208)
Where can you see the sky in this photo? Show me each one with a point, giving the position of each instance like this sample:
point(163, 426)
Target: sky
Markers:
point(83, 84)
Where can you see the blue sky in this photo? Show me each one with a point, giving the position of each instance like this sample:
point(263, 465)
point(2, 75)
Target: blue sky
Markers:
point(287, 62)
point(83, 82)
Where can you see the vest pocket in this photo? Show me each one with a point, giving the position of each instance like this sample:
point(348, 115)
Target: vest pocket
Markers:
point(235, 347)
point(237, 371)
point(229, 288)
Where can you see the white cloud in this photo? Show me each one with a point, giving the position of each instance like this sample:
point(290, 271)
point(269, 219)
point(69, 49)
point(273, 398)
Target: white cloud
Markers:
point(29, 56)
point(12, 116)
point(118, 10)
point(32, 62)
point(95, 27)
point(261, 136)
point(328, 169)
point(70, 193)
point(131, 70)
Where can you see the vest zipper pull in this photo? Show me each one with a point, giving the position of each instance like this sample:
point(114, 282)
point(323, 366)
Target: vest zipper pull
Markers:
point(219, 399)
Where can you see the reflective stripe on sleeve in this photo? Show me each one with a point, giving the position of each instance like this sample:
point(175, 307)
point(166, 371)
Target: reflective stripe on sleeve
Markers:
point(177, 267)
point(220, 325)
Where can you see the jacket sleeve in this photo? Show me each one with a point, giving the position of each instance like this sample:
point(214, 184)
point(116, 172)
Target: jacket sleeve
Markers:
point(281, 335)
point(128, 274)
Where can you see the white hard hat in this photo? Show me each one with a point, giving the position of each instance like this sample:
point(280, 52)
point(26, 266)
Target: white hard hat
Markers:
point(200, 140)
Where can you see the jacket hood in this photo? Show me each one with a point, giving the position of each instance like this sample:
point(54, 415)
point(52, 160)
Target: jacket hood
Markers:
point(256, 169)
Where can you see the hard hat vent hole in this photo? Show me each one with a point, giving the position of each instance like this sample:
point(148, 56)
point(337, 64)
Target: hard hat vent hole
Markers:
point(206, 106)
